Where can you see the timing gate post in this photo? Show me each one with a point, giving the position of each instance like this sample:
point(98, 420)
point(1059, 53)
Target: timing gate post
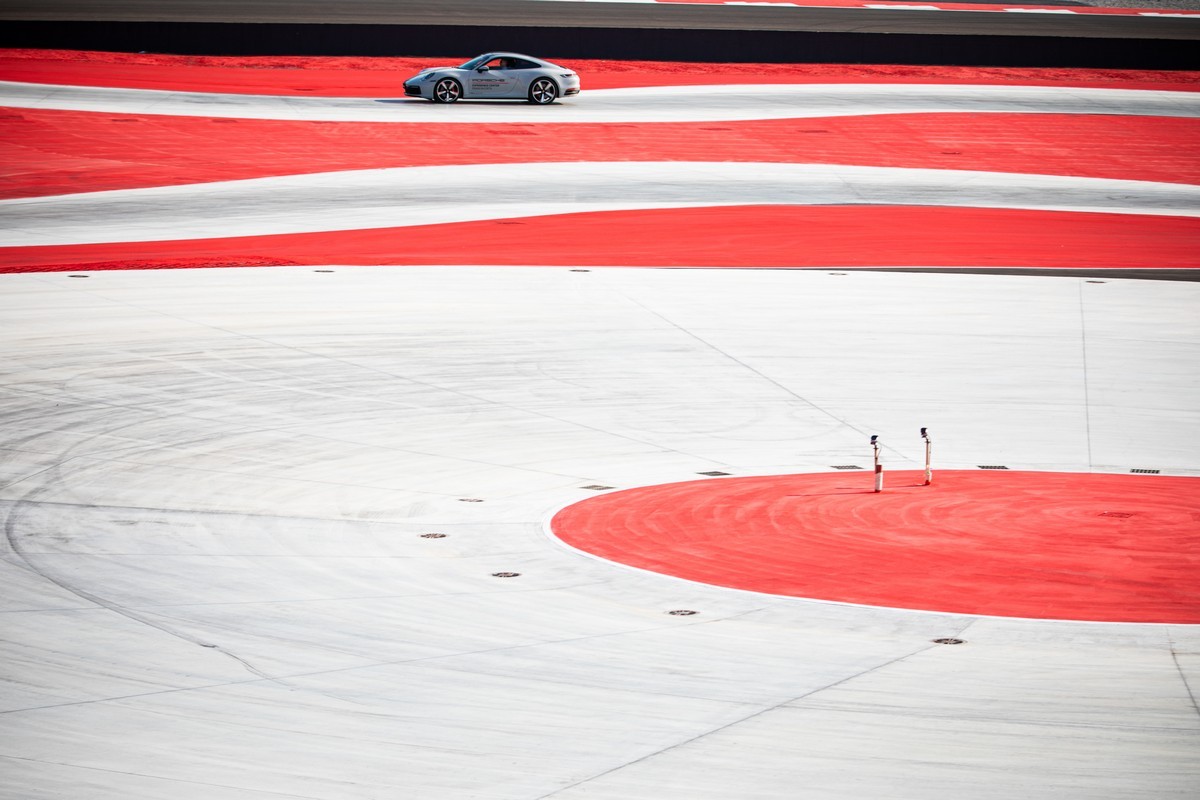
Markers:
point(928, 462)
point(878, 465)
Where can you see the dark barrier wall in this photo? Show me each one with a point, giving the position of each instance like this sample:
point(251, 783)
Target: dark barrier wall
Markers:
point(196, 38)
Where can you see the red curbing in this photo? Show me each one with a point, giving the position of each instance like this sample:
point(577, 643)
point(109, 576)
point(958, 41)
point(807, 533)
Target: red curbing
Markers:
point(1045, 545)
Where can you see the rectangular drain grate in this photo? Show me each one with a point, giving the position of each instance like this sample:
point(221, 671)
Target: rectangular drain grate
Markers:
point(713, 473)
point(1145, 471)
point(597, 487)
point(846, 466)
point(992, 466)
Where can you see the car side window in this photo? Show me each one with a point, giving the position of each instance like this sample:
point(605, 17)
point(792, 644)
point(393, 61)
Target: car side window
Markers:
point(520, 63)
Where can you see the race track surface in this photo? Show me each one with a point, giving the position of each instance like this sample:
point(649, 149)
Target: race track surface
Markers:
point(357, 447)
point(1116, 185)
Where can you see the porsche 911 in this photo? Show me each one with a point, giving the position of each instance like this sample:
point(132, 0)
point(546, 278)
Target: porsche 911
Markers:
point(495, 76)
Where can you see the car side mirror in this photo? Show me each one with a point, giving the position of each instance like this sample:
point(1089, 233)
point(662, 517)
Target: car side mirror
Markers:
point(484, 68)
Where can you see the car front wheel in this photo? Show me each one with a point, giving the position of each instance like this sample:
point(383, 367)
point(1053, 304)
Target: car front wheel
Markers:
point(543, 91)
point(447, 90)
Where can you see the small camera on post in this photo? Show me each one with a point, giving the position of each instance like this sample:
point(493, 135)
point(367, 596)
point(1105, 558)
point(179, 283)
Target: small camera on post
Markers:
point(928, 452)
point(878, 464)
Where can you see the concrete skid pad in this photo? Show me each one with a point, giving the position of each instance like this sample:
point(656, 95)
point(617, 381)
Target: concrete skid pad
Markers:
point(217, 485)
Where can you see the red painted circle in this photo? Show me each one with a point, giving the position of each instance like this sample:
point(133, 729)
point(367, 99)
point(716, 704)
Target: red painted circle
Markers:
point(1112, 548)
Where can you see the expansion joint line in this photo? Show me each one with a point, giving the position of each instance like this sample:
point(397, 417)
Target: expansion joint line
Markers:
point(1087, 403)
point(753, 370)
point(754, 715)
point(1182, 674)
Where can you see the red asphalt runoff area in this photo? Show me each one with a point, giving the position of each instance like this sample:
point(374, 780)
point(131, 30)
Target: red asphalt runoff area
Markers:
point(1043, 545)
point(49, 152)
point(1039, 545)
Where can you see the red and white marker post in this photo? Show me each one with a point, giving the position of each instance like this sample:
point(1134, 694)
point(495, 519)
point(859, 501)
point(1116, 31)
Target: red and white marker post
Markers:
point(878, 465)
point(928, 451)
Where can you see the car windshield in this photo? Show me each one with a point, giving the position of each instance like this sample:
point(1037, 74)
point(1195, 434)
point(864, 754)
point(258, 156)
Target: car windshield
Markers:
point(476, 62)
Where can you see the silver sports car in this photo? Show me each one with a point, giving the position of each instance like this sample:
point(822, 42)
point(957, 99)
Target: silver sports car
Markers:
point(503, 76)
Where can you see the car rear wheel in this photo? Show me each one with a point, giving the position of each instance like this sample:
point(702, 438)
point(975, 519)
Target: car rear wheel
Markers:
point(447, 90)
point(543, 91)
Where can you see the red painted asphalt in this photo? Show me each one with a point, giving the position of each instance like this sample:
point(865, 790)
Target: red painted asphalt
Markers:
point(1112, 548)
point(844, 237)
point(59, 152)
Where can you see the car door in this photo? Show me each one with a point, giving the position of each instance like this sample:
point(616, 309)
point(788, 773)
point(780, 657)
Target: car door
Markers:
point(493, 79)
point(524, 72)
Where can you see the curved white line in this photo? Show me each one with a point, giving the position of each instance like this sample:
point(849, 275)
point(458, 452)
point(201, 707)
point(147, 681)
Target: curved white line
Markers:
point(651, 104)
point(406, 196)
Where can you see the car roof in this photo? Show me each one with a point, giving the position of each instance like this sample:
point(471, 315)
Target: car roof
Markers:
point(505, 54)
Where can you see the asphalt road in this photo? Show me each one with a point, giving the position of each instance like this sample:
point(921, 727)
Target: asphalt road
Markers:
point(537, 13)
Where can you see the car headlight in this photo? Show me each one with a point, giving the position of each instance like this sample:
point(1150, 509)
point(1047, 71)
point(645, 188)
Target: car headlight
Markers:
point(429, 77)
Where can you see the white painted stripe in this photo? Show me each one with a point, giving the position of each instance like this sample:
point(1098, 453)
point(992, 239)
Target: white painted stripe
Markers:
point(409, 196)
point(646, 104)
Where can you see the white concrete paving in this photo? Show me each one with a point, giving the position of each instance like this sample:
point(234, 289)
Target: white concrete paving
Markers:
point(214, 485)
point(406, 196)
point(634, 105)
